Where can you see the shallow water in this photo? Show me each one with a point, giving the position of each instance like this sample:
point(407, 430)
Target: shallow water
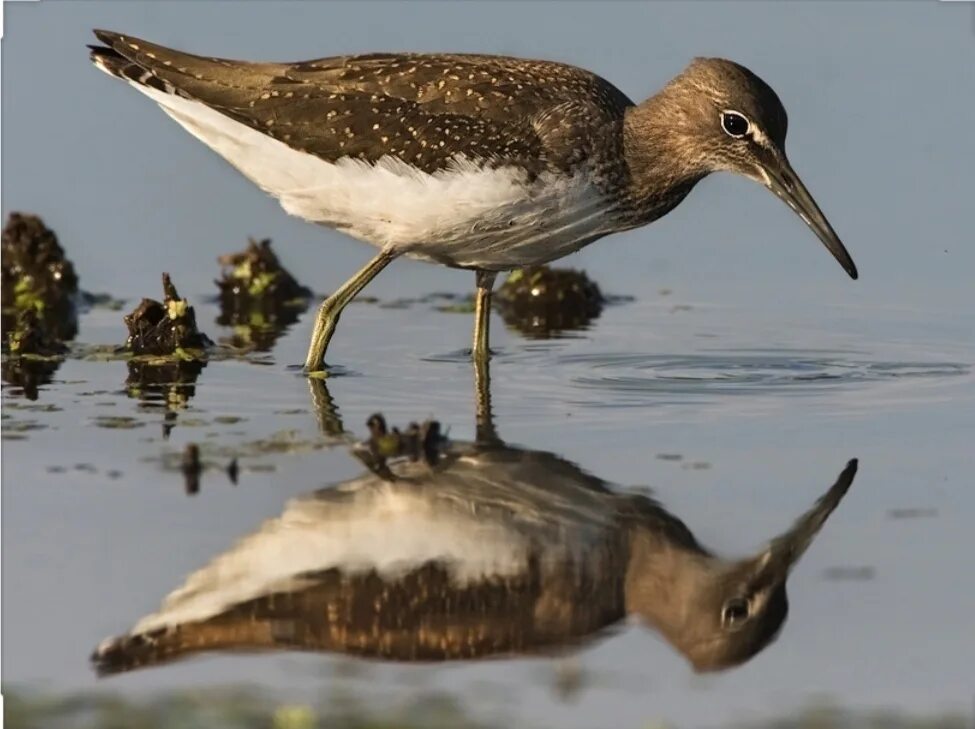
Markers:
point(734, 438)
point(741, 374)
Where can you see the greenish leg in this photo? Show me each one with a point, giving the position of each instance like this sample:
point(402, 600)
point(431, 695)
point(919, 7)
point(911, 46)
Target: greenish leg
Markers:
point(331, 309)
point(482, 315)
point(484, 418)
point(325, 409)
point(481, 355)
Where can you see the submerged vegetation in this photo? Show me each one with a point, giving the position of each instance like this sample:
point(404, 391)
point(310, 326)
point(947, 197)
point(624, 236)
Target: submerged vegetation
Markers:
point(247, 708)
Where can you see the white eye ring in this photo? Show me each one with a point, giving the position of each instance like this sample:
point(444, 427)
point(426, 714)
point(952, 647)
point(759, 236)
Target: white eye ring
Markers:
point(734, 123)
point(735, 612)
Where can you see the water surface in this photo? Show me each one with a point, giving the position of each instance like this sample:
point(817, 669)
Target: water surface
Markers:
point(744, 373)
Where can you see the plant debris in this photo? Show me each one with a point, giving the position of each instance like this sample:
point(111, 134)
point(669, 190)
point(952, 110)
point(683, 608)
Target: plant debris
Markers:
point(415, 443)
point(541, 302)
point(118, 422)
point(233, 471)
point(192, 468)
point(165, 328)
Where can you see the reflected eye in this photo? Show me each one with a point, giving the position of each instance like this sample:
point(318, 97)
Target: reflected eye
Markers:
point(734, 612)
point(734, 124)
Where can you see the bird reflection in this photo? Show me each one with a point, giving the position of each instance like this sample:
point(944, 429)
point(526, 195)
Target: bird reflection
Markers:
point(486, 550)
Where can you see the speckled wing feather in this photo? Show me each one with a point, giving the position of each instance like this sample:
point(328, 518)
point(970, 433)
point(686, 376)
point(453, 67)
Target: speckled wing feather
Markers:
point(422, 616)
point(423, 108)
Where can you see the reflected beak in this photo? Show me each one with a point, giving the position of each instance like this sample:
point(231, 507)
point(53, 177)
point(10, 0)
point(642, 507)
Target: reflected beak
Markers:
point(785, 183)
point(783, 552)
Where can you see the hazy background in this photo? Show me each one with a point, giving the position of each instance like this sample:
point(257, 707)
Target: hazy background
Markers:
point(881, 108)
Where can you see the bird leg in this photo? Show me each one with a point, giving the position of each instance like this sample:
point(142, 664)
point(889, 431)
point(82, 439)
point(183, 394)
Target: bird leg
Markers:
point(482, 315)
point(331, 309)
point(326, 411)
point(487, 435)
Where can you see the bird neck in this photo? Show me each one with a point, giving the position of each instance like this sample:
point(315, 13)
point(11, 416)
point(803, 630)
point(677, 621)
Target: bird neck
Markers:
point(663, 160)
point(665, 580)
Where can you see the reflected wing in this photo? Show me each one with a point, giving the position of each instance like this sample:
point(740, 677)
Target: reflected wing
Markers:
point(505, 554)
point(424, 615)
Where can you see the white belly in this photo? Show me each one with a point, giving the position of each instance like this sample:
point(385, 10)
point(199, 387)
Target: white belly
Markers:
point(463, 216)
point(392, 529)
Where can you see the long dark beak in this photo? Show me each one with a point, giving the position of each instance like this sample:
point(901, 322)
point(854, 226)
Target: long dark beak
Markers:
point(784, 551)
point(785, 183)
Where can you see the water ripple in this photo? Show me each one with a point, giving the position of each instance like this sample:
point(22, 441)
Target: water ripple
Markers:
point(745, 372)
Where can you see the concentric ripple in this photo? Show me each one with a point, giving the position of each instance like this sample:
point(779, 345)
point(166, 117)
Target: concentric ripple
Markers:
point(746, 372)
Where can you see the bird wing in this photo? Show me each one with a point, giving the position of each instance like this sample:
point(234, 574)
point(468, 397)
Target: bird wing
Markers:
point(423, 615)
point(425, 109)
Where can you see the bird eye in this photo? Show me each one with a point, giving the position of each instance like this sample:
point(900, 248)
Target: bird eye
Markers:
point(734, 124)
point(734, 612)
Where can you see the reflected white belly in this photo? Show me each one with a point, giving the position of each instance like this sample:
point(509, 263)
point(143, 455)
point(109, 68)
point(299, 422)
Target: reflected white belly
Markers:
point(383, 527)
point(462, 216)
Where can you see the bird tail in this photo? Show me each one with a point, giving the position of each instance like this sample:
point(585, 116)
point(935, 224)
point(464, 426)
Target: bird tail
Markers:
point(161, 645)
point(115, 64)
point(214, 81)
point(136, 650)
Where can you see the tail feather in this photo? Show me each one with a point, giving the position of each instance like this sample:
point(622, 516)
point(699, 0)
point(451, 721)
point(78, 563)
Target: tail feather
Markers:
point(115, 64)
point(128, 652)
point(214, 81)
point(163, 645)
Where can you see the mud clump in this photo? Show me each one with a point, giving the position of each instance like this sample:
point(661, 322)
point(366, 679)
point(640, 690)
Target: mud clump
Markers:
point(169, 353)
point(255, 275)
point(541, 302)
point(38, 277)
point(165, 328)
point(258, 296)
point(34, 261)
point(39, 290)
point(29, 336)
point(33, 354)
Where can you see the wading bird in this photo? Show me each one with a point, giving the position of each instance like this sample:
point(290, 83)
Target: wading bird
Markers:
point(484, 549)
point(482, 162)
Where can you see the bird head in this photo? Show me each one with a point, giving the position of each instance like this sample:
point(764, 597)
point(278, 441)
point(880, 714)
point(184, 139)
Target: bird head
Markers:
point(725, 118)
point(741, 608)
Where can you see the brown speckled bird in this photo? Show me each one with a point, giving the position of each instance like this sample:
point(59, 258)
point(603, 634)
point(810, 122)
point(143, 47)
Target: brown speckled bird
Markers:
point(492, 551)
point(481, 162)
